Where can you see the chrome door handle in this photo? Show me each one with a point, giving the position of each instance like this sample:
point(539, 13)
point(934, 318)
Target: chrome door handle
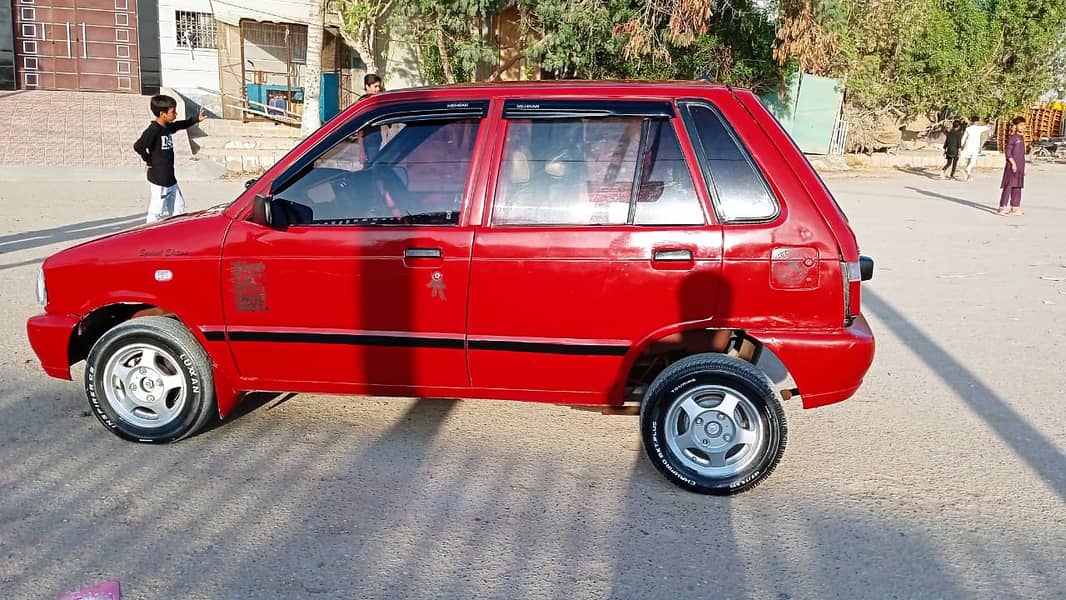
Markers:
point(422, 253)
point(84, 42)
point(68, 41)
point(673, 255)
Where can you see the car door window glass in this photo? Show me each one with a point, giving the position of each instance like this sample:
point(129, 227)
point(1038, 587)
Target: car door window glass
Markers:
point(582, 172)
point(412, 173)
point(740, 193)
point(667, 195)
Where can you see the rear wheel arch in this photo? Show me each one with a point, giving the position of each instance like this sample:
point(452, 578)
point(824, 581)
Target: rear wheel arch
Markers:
point(657, 352)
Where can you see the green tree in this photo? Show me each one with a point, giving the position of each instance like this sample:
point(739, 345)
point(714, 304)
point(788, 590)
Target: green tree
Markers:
point(362, 24)
point(989, 57)
point(451, 37)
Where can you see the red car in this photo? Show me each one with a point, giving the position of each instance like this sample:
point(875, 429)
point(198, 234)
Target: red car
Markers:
point(588, 243)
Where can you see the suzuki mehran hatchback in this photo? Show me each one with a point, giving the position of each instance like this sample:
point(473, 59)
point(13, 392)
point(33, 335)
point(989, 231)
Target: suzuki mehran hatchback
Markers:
point(661, 248)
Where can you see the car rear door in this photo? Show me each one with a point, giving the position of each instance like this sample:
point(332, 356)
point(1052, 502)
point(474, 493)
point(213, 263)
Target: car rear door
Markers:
point(594, 239)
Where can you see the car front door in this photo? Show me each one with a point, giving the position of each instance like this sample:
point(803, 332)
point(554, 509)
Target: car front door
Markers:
point(359, 282)
point(596, 239)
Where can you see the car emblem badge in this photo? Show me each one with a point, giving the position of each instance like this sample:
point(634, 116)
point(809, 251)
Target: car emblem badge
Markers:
point(436, 285)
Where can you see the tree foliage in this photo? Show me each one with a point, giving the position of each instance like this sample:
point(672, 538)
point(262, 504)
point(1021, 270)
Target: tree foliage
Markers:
point(987, 57)
point(895, 57)
point(363, 23)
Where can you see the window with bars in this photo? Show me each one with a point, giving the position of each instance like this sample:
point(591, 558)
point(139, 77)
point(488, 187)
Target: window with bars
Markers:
point(195, 29)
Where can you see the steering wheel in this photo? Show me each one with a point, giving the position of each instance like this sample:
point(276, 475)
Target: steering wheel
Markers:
point(393, 195)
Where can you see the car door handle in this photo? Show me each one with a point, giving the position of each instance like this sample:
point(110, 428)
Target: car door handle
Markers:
point(422, 253)
point(673, 255)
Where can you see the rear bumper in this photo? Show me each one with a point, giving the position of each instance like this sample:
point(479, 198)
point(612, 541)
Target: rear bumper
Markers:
point(827, 366)
point(50, 338)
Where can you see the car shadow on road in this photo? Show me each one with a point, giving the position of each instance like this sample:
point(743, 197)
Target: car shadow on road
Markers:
point(67, 233)
point(1026, 441)
point(960, 201)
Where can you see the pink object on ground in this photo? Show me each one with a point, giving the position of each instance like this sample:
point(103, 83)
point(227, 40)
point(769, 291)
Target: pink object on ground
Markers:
point(109, 590)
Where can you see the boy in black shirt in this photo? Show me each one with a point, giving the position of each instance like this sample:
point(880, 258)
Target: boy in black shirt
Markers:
point(156, 148)
point(952, 145)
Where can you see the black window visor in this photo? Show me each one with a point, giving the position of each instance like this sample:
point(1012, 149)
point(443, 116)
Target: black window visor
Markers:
point(406, 112)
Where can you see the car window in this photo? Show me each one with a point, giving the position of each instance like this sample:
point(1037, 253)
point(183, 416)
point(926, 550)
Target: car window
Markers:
point(667, 195)
point(573, 171)
point(739, 191)
point(406, 173)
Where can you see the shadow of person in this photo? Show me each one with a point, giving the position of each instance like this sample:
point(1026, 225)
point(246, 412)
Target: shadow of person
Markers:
point(960, 201)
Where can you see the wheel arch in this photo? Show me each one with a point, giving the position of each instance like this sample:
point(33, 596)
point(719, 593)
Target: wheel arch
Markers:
point(661, 349)
point(102, 319)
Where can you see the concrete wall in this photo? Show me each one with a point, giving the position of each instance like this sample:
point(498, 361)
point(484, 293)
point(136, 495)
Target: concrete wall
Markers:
point(184, 68)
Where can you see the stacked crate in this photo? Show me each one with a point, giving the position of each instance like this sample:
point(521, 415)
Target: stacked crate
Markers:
point(1043, 121)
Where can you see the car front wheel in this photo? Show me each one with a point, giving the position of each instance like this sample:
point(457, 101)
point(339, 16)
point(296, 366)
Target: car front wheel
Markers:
point(149, 380)
point(713, 424)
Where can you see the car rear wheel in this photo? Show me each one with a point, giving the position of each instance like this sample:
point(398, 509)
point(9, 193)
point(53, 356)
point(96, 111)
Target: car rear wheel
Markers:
point(149, 380)
point(713, 424)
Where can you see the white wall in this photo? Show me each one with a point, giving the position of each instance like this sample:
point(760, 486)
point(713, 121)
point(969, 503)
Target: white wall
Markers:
point(182, 67)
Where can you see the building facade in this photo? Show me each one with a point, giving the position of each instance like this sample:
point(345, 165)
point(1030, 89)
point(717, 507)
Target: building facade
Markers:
point(82, 45)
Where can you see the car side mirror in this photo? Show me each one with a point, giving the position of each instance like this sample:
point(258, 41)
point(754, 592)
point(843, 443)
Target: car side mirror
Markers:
point(280, 213)
point(262, 211)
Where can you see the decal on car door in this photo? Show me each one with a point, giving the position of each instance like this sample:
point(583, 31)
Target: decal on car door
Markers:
point(247, 280)
point(437, 286)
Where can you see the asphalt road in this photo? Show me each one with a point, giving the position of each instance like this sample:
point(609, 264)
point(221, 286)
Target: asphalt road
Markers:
point(945, 477)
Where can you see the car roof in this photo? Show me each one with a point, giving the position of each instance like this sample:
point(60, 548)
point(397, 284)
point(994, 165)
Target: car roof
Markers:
point(564, 88)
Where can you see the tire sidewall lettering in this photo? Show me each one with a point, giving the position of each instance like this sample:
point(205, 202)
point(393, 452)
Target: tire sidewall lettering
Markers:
point(664, 456)
point(94, 399)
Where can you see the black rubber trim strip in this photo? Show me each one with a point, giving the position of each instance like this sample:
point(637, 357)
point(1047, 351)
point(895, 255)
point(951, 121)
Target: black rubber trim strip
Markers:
point(418, 342)
point(346, 338)
point(547, 348)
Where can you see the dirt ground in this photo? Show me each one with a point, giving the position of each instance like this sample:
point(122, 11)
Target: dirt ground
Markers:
point(944, 477)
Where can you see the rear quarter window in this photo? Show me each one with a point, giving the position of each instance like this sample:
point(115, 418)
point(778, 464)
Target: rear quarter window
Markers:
point(738, 189)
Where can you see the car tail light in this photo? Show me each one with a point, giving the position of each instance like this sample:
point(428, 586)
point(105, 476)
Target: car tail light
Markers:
point(853, 274)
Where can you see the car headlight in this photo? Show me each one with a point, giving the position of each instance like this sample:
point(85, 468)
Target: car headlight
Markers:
point(42, 291)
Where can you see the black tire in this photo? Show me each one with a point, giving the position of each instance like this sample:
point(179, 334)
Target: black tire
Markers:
point(179, 359)
point(701, 379)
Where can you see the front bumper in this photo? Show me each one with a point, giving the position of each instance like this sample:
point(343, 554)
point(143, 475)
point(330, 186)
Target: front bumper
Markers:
point(50, 338)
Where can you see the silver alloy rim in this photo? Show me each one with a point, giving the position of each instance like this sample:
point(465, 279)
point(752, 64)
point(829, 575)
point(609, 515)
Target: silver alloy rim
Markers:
point(145, 386)
point(714, 430)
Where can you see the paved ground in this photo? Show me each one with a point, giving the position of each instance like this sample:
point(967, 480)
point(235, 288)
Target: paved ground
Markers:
point(68, 135)
point(944, 478)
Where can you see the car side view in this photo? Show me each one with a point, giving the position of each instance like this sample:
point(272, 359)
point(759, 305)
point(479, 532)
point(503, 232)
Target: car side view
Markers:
point(660, 247)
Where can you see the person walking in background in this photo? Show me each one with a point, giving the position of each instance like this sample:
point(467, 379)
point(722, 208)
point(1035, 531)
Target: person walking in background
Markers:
point(971, 145)
point(156, 149)
point(1010, 200)
point(952, 145)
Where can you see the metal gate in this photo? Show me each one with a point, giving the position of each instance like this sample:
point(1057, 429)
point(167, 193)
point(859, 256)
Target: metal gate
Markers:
point(76, 45)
